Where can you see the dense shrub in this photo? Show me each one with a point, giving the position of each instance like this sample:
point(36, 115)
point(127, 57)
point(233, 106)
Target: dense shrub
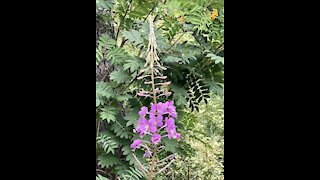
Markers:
point(190, 45)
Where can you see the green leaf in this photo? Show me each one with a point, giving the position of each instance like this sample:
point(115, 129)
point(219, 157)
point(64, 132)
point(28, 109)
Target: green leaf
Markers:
point(170, 145)
point(108, 144)
point(126, 150)
point(106, 161)
point(106, 41)
point(133, 64)
point(124, 97)
point(103, 92)
point(139, 155)
point(119, 76)
point(132, 118)
point(180, 95)
point(120, 130)
point(99, 177)
point(134, 37)
point(109, 114)
point(215, 58)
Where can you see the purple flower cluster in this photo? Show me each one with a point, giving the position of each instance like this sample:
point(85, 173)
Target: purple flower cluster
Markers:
point(161, 115)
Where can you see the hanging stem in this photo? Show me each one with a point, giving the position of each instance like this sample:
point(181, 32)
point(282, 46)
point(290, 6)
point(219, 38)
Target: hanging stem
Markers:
point(165, 167)
point(140, 165)
point(98, 128)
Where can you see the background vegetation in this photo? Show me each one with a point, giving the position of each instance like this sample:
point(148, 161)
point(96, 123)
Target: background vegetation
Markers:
point(190, 38)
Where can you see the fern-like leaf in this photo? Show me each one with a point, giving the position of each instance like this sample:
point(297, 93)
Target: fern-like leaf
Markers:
point(99, 177)
point(132, 117)
point(119, 76)
point(134, 37)
point(180, 95)
point(139, 155)
point(170, 145)
point(133, 64)
point(117, 56)
point(215, 58)
point(124, 97)
point(120, 130)
point(107, 143)
point(173, 59)
point(107, 160)
point(109, 114)
point(133, 174)
point(103, 92)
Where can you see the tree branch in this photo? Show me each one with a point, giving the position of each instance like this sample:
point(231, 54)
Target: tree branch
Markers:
point(177, 40)
point(123, 19)
point(150, 11)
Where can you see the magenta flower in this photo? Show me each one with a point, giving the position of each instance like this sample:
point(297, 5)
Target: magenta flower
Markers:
point(160, 122)
point(156, 138)
point(136, 144)
point(153, 108)
point(173, 114)
point(143, 111)
point(161, 108)
point(143, 126)
point(169, 122)
point(153, 118)
point(147, 154)
point(160, 115)
point(172, 133)
point(171, 109)
point(153, 129)
point(177, 135)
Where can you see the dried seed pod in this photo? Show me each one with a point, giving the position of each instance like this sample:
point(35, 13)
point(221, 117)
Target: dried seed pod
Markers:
point(161, 77)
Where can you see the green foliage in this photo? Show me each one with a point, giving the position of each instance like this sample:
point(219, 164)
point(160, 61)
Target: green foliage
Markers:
point(139, 155)
point(170, 145)
point(105, 4)
point(190, 44)
point(108, 114)
point(103, 92)
point(119, 76)
point(173, 59)
point(133, 64)
point(105, 43)
point(117, 56)
point(132, 118)
point(180, 94)
point(120, 130)
point(132, 174)
point(215, 58)
point(107, 143)
point(134, 37)
point(108, 160)
point(204, 131)
point(99, 177)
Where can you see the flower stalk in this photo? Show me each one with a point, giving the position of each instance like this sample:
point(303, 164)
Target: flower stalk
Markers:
point(159, 119)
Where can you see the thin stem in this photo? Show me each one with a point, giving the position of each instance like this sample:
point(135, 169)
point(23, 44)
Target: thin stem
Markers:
point(123, 19)
point(98, 128)
point(140, 165)
point(153, 84)
point(101, 171)
point(177, 40)
point(165, 167)
point(165, 158)
point(152, 47)
point(150, 11)
point(145, 146)
point(152, 162)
